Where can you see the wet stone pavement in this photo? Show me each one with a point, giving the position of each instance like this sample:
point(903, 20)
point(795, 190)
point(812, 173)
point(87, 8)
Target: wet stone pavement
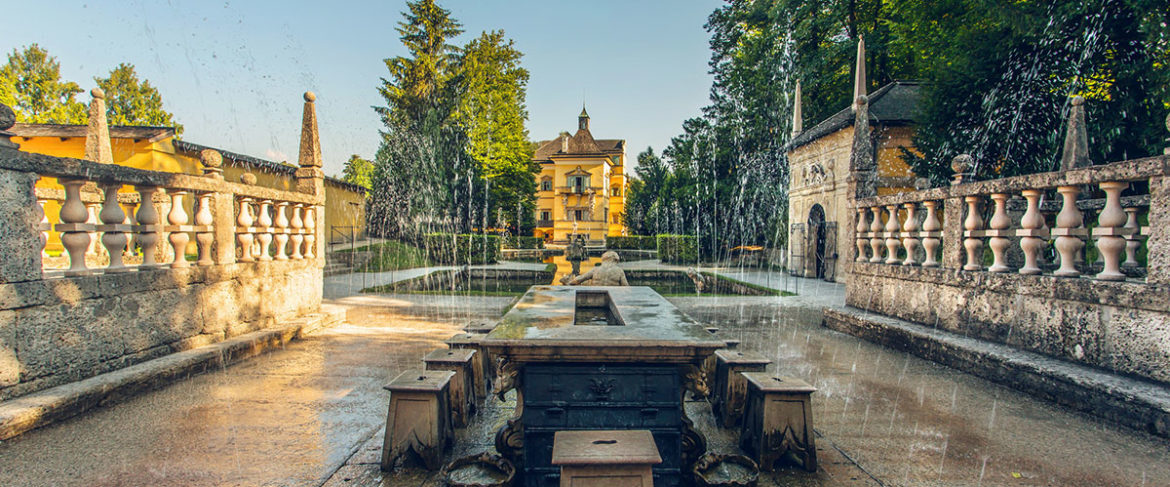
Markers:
point(313, 414)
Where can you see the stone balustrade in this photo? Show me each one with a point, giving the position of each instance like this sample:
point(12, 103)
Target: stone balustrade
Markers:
point(1050, 224)
point(188, 221)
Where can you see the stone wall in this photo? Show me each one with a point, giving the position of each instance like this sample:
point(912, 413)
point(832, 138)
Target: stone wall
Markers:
point(242, 258)
point(1085, 311)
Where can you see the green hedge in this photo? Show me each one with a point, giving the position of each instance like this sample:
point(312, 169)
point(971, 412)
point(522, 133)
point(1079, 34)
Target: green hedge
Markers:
point(631, 243)
point(516, 242)
point(678, 248)
point(446, 248)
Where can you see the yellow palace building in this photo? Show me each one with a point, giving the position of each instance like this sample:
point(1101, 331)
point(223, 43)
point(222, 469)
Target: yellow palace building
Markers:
point(581, 186)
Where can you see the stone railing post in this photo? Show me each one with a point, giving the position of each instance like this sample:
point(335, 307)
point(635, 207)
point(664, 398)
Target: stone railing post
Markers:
point(909, 240)
point(1132, 243)
point(310, 177)
point(22, 237)
point(952, 241)
point(1033, 232)
point(113, 217)
point(74, 236)
point(892, 242)
point(1158, 229)
point(973, 242)
point(859, 232)
point(222, 207)
point(999, 224)
point(875, 240)
point(265, 237)
point(930, 233)
point(178, 220)
point(282, 227)
point(1068, 232)
point(147, 220)
point(1110, 232)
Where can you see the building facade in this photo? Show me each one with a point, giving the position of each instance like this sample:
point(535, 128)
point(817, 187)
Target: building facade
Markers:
point(826, 172)
point(581, 186)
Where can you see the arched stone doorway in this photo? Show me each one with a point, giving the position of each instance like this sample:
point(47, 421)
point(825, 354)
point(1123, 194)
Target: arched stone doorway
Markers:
point(816, 236)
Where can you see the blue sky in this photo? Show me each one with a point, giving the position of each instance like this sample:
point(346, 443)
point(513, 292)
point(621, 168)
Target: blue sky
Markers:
point(233, 72)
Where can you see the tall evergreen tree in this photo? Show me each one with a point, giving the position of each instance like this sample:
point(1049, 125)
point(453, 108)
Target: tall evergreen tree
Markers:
point(31, 84)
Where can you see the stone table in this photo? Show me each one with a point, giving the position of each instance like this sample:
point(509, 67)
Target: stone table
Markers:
point(598, 358)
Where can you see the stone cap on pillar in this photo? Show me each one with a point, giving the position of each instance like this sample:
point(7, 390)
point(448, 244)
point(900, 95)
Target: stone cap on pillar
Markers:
point(449, 356)
point(420, 381)
point(463, 339)
point(626, 447)
point(741, 358)
point(764, 381)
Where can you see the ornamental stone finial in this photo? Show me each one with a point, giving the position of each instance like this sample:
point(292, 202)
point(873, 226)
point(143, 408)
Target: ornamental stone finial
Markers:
point(212, 162)
point(7, 120)
point(248, 178)
point(97, 134)
point(1076, 138)
point(962, 165)
point(310, 155)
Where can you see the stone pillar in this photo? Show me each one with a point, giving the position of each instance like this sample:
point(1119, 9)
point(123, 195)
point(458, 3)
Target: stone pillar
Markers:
point(310, 177)
point(953, 252)
point(20, 234)
point(97, 135)
point(1158, 242)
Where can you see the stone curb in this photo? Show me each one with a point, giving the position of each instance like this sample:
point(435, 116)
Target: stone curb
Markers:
point(49, 406)
point(1134, 403)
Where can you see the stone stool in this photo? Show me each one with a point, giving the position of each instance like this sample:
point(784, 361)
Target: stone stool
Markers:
point(729, 389)
point(605, 458)
point(461, 391)
point(418, 419)
point(778, 420)
point(481, 369)
point(480, 326)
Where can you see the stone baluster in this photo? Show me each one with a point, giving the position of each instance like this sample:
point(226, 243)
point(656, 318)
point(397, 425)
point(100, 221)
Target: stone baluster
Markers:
point(111, 216)
point(930, 231)
point(92, 210)
point(74, 234)
point(265, 229)
point(862, 241)
point(892, 227)
point(45, 227)
point(129, 222)
point(1033, 232)
point(148, 219)
point(909, 240)
point(206, 236)
point(297, 237)
point(973, 243)
point(1131, 238)
point(178, 237)
point(282, 224)
point(310, 232)
point(875, 240)
point(244, 231)
point(1068, 232)
point(999, 224)
point(1110, 231)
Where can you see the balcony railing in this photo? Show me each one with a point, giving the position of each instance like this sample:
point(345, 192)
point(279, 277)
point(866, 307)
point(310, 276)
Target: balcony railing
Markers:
point(579, 189)
point(544, 223)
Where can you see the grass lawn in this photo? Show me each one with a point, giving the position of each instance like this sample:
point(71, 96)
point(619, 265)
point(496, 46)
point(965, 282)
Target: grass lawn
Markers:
point(393, 255)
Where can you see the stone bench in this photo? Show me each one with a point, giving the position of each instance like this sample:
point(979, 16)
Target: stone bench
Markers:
point(729, 388)
point(418, 420)
point(461, 391)
point(481, 369)
point(778, 420)
point(605, 458)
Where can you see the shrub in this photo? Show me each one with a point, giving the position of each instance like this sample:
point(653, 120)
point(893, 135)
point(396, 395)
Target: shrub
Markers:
point(518, 242)
point(678, 248)
point(447, 248)
point(631, 243)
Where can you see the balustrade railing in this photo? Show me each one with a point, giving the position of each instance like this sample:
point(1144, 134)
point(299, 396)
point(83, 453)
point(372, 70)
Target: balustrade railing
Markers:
point(125, 219)
point(1091, 217)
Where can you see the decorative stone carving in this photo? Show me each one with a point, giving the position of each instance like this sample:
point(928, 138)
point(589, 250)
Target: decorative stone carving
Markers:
point(507, 377)
point(1068, 231)
point(111, 214)
point(212, 163)
point(930, 227)
point(1033, 232)
point(695, 380)
point(974, 245)
point(178, 237)
point(1109, 231)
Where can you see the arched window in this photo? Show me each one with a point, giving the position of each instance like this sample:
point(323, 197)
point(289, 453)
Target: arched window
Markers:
point(546, 184)
point(617, 190)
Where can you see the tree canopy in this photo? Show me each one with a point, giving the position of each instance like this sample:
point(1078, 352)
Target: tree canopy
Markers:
point(455, 154)
point(358, 171)
point(31, 84)
point(131, 102)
